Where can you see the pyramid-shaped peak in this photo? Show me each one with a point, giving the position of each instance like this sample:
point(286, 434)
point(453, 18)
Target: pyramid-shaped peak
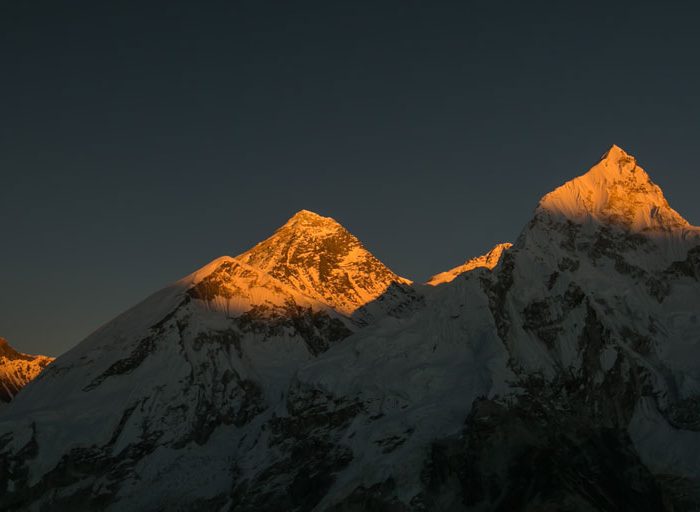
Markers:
point(616, 153)
point(308, 215)
point(320, 258)
point(307, 218)
point(616, 163)
point(614, 191)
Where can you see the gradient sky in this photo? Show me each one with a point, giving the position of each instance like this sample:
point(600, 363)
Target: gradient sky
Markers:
point(138, 142)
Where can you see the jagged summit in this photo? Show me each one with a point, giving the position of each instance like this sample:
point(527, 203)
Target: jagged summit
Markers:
point(8, 351)
point(488, 260)
point(307, 218)
point(308, 214)
point(320, 258)
point(616, 153)
point(615, 191)
point(17, 369)
point(311, 260)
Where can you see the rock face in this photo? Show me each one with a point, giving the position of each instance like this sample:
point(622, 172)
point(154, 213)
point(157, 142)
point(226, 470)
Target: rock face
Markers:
point(17, 370)
point(304, 375)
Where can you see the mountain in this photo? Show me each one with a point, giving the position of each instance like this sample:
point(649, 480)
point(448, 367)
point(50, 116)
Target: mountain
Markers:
point(318, 257)
point(17, 369)
point(597, 302)
point(488, 260)
point(615, 192)
point(565, 377)
point(213, 353)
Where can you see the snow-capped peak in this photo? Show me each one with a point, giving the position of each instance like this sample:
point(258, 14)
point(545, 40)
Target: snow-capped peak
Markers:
point(17, 369)
point(616, 153)
point(488, 260)
point(310, 217)
point(320, 258)
point(311, 222)
point(615, 191)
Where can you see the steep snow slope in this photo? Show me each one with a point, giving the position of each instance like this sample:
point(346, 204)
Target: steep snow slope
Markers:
point(488, 260)
point(17, 369)
point(563, 378)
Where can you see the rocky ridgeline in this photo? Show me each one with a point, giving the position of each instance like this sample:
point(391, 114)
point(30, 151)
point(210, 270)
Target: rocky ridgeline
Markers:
point(17, 370)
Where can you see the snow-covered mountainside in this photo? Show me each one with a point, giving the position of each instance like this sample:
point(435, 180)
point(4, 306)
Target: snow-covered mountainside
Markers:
point(488, 260)
point(17, 369)
point(564, 377)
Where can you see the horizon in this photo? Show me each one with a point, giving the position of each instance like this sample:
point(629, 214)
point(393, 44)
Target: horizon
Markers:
point(142, 142)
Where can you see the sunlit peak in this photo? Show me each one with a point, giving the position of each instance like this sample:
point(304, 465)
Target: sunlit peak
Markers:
point(306, 214)
point(616, 153)
point(614, 191)
point(311, 222)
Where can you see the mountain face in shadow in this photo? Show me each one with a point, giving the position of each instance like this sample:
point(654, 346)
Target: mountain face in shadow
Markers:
point(558, 374)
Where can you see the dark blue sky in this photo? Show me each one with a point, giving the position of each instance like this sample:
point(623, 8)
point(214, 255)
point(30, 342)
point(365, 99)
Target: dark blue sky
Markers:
point(139, 142)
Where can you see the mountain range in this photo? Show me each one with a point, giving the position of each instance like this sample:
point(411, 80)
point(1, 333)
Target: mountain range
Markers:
point(556, 373)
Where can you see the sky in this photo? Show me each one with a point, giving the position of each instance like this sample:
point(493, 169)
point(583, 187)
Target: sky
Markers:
point(138, 142)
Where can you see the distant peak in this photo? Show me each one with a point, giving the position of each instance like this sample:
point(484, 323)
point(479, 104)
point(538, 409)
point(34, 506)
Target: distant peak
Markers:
point(306, 214)
point(17, 369)
point(488, 260)
point(318, 257)
point(617, 164)
point(8, 351)
point(307, 218)
point(616, 153)
point(614, 191)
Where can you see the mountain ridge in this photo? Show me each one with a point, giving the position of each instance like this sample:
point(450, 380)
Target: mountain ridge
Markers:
point(575, 352)
point(488, 260)
point(18, 369)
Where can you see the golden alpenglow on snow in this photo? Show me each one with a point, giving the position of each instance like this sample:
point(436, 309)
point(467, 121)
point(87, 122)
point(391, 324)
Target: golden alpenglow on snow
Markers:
point(488, 260)
point(17, 370)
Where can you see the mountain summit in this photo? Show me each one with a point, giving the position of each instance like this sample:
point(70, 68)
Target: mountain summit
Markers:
point(17, 369)
point(318, 257)
point(615, 191)
point(311, 261)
